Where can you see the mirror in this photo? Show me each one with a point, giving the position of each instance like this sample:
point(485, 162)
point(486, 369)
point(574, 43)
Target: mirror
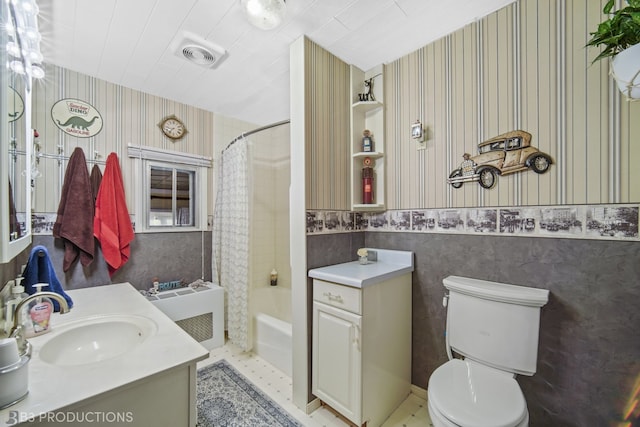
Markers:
point(15, 158)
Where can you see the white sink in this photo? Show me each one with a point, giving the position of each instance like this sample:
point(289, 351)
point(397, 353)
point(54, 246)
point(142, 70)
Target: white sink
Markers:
point(94, 339)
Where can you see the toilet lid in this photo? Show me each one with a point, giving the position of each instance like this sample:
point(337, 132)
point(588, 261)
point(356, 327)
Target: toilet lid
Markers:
point(473, 395)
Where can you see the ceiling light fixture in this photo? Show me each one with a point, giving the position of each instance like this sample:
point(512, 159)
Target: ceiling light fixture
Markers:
point(265, 14)
point(23, 43)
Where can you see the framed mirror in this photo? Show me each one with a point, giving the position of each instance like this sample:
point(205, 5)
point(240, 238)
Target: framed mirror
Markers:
point(16, 143)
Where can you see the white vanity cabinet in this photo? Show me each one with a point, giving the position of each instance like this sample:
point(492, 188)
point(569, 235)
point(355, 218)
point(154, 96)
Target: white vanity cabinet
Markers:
point(153, 383)
point(337, 352)
point(361, 345)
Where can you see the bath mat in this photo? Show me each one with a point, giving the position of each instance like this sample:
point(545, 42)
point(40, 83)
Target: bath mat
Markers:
point(227, 399)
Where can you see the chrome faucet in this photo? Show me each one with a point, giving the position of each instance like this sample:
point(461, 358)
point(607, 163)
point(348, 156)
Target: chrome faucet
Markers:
point(16, 330)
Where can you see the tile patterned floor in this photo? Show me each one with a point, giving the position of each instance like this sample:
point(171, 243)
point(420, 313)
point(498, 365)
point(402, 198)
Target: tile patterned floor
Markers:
point(411, 413)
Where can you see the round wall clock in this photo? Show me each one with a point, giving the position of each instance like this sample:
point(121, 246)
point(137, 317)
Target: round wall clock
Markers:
point(173, 127)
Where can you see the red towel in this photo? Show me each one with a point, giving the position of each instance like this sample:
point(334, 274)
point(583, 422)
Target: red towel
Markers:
point(111, 224)
point(75, 213)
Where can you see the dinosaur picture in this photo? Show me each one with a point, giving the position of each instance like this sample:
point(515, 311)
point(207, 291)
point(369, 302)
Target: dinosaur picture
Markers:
point(76, 117)
point(15, 104)
point(78, 122)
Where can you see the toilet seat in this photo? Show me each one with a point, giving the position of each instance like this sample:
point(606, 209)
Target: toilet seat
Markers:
point(473, 395)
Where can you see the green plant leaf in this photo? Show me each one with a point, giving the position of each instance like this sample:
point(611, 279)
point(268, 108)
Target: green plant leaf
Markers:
point(620, 31)
point(608, 6)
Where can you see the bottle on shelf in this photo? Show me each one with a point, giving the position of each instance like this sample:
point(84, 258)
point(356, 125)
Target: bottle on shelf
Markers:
point(367, 141)
point(367, 185)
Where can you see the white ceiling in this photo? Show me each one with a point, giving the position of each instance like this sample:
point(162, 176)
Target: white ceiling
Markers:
point(129, 42)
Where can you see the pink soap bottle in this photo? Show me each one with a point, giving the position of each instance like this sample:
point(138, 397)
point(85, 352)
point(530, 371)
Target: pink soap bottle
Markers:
point(38, 315)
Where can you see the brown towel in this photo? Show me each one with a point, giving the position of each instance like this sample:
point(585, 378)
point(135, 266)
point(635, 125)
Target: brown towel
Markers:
point(74, 223)
point(96, 179)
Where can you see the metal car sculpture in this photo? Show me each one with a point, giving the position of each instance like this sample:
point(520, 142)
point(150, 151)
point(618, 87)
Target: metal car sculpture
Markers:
point(502, 155)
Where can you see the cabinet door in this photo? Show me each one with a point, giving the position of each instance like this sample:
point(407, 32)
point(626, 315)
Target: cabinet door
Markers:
point(337, 365)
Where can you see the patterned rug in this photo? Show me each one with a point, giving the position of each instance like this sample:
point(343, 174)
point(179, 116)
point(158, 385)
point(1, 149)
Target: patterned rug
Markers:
point(227, 399)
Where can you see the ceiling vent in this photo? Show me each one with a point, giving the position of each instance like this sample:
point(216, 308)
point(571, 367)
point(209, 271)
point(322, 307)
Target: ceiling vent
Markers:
point(198, 51)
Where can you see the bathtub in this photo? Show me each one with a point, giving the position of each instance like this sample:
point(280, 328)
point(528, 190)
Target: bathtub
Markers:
point(271, 334)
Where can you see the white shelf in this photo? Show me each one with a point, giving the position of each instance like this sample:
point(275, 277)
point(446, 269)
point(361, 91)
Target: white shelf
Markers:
point(370, 207)
point(366, 106)
point(367, 115)
point(363, 154)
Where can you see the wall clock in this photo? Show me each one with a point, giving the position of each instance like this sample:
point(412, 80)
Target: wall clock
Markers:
point(173, 127)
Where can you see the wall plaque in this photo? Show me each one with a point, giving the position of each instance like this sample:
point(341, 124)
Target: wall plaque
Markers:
point(76, 117)
point(15, 105)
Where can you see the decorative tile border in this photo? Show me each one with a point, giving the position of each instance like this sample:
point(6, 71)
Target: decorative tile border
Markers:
point(602, 222)
point(42, 222)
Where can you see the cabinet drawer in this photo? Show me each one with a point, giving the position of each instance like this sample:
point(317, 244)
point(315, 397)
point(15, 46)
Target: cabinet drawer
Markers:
point(341, 296)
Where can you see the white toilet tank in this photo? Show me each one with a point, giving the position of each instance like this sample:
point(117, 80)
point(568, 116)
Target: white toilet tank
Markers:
point(495, 323)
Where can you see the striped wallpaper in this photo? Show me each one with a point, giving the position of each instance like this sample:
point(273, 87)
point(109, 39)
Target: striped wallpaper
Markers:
point(522, 67)
point(327, 82)
point(129, 117)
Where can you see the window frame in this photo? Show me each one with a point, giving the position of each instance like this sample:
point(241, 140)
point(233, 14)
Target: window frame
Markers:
point(146, 157)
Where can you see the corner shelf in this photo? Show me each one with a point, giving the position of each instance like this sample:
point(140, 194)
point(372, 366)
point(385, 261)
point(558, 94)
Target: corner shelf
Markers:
point(367, 106)
point(363, 154)
point(367, 115)
point(369, 207)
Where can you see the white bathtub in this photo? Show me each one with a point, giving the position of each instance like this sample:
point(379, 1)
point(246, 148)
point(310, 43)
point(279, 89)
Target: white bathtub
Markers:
point(271, 334)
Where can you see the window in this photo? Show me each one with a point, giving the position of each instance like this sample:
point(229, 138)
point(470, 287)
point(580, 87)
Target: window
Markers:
point(513, 143)
point(172, 190)
point(497, 146)
point(172, 196)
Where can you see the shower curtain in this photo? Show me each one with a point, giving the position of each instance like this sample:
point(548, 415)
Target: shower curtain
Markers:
point(231, 238)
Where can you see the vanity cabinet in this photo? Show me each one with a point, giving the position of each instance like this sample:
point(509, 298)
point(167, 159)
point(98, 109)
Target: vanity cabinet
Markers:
point(337, 354)
point(153, 383)
point(361, 347)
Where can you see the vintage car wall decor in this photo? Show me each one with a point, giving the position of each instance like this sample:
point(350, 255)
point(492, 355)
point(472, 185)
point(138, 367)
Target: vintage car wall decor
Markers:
point(502, 155)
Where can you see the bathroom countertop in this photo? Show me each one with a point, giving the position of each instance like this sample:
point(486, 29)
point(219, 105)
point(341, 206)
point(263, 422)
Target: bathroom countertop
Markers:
point(53, 387)
point(389, 264)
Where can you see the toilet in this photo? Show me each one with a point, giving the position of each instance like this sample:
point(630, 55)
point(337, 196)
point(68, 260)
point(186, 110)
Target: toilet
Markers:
point(493, 328)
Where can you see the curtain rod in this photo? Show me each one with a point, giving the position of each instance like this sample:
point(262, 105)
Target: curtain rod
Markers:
point(256, 130)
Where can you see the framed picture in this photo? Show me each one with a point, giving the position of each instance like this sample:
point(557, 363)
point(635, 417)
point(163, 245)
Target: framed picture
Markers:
point(416, 130)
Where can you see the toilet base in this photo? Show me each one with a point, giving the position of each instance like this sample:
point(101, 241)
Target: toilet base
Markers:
point(439, 420)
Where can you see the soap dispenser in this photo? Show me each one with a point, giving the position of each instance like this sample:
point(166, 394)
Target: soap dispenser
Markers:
point(38, 313)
